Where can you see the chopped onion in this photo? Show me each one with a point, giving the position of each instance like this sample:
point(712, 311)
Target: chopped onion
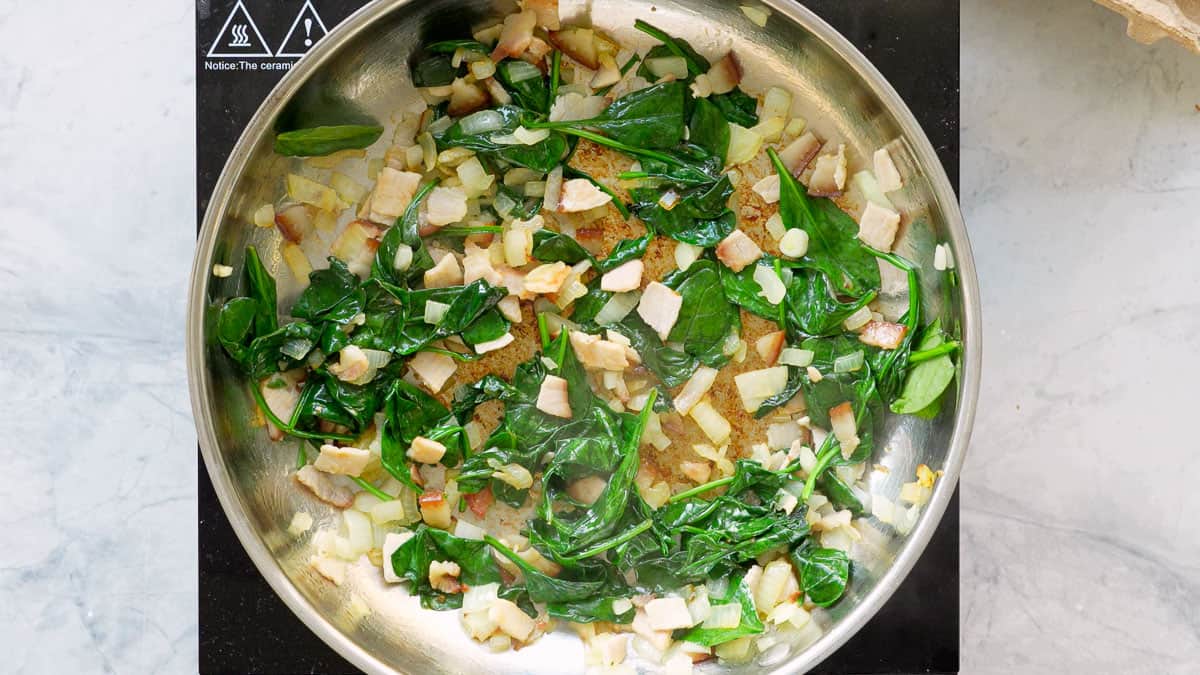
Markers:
point(777, 103)
point(479, 596)
point(617, 308)
point(696, 387)
point(686, 254)
point(723, 616)
point(440, 124)
point(530, 136)
point(675, 66)
point(775, 227)
point(848, 363)
point(858, 319)
point(465, 530)
point(554, 181)
point(359, 534)
point(772, 286)
point(519, 71)
point(792, 356)
point(434, 311)
point(512, 474)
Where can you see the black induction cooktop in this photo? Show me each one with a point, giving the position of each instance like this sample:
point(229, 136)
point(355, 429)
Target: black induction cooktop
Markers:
point(243, 47)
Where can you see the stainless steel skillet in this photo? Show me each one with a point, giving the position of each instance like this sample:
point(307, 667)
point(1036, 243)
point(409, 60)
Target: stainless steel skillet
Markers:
point(365, 60)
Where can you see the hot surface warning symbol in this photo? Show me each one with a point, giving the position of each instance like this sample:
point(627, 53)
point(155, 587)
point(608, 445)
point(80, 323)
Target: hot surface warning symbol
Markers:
point(239, 37)
point(304, 33)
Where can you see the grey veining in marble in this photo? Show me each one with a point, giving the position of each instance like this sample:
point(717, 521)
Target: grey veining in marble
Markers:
point(1081, 187)
point(98, 497)
point(1081, 190)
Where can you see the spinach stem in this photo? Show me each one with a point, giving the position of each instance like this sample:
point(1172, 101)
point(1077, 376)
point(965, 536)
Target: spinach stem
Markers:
point(600, 139)
point(289, 429)
point(700, 489)
point(828, 451)
point(934, 352)
point(467, 231)
point(693, 67)
point(543, 331)
point(624, 537)
point(301, 457)
point(372, 489)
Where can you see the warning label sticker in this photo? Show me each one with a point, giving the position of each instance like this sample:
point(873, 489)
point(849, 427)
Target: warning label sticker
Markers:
point(239, 37)
point(306, 29)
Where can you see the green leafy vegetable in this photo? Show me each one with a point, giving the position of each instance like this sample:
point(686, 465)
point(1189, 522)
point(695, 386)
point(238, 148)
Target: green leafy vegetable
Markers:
point(411, 562)
point(320, 141)
point(833, 244)
point(928, 379)
point(750, 624)
point(824, 573)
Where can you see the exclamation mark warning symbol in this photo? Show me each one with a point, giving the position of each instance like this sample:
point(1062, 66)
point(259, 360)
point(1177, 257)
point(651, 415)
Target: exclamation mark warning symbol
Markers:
point(306, 30)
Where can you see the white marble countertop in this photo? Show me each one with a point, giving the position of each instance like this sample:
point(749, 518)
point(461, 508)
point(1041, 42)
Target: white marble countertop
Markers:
point(1081, 187)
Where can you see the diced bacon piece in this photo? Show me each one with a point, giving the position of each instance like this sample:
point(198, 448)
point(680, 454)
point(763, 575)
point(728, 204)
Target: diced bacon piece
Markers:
point(445, 273)
point(443, 576)
point(295, 222)
point(492, 345)
point(514, 281)
point(356, 245)
point(477, 264)
point(845, 428)
point(598, 354)
point(886, 173)
point(345, 461)
point(659, 308)
point(480, 502)
point(577, 43)
point(394, 191)
point(581, 194)
point(659, 639)
point(668, 614)
point(737, 251)
point(878, 226)
point(499, 94)
point(433, 369)
point(435, 510)
point(465, 98)
point(627, 277)
point(426, 451)
point(446, 205)
point(883, 334)
point(323, 487)
point(725, 74)
point(281, 400)
point(553, 399)
point(546, 11)
point(608, 650)
point(797, 155)
point(768, 188)
point(770, 345)
point(352, 364)
point(536, 51)
point(546, 278)
point(511, 619)
point(516, 35)
point(829, 175)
